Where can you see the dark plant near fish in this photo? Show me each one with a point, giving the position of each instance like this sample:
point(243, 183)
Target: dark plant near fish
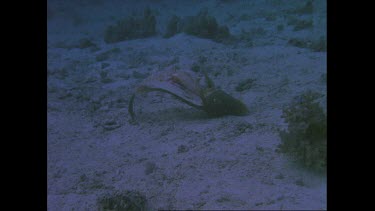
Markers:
point(306, 136)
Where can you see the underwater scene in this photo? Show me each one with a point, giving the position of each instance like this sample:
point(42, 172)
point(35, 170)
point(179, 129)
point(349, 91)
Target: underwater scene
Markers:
point(186, 105)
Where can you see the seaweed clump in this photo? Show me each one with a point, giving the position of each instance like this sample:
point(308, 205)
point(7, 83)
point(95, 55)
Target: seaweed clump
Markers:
point(122, 201)
point(201, 25)
point(132, 27)
point(306, 137)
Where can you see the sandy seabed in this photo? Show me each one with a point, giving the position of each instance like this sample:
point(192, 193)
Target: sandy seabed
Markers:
point(176, 156)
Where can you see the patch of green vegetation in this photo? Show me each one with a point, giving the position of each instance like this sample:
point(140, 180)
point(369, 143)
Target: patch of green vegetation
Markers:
point(132, 27)
point(306, 136)
point(122, 201)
